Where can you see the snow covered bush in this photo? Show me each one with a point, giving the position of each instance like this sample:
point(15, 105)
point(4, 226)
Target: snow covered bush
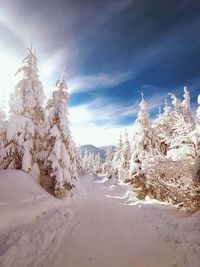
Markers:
point(172, 181)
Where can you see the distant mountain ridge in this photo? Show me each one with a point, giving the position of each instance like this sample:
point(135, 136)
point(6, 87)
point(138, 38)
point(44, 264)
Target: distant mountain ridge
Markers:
point(104, 148)
point(96, 150)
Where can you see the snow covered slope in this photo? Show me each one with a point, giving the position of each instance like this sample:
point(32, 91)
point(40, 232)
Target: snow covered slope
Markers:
point(99, 226)
point(17, 186)
point(32, 221)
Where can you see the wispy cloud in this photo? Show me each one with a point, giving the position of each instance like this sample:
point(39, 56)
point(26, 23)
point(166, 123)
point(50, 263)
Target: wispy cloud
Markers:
point(119, 110)
point(97, 81)
point(98, 121)
point(107, 112)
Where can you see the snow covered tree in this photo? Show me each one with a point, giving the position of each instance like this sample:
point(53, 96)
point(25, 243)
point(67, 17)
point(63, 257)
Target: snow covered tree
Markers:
point(73, 158)
point(79, 160)
point(86, 161)
point(187, 114)
point(97, 163)
point(125, 159)
point(26, 118)
point(145, 142)
point(182, 145)
point(61, 162)
point(176, 102)
point(163, 126)
point(91, 162)
point(108, 166)
point(118, 153)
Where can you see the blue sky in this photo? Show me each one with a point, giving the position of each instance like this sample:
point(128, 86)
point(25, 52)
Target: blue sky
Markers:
point(113, 50)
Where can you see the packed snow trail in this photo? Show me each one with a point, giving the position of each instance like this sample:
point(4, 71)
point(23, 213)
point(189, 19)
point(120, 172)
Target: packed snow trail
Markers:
point(98, 227)
point(112, 234)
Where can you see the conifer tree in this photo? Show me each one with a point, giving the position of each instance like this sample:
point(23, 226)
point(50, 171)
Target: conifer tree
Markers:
point(26, 118)
point(97, 163)
point(118, 153)
point(125, 159)
point(86, 161)
point(79, 161)
point(61, 161)
point(182, 125)
point(182, 144)
point(91, 162)
point(108, 166)
point(145, 142)
point(176, 102)
point(187, 114)
point(163, 125)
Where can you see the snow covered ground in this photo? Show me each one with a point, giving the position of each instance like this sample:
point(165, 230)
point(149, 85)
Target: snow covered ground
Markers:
point(98, 226)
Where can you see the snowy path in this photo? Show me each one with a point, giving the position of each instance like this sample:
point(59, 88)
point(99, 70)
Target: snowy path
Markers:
point(111, 233)
point(98, 227)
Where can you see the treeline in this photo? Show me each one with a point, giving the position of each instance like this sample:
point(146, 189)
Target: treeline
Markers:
point(162, 158)
point(36, 137)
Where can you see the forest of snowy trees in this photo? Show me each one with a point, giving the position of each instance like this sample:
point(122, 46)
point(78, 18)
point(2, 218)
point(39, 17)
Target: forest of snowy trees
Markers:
point(160, 159)
point(36, 137)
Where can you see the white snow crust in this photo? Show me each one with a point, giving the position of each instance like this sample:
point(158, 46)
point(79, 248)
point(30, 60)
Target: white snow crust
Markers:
point(100, 224)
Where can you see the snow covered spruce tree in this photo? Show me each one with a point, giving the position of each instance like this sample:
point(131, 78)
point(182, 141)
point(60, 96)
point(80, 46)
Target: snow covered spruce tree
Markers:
point(124, 165)
point(183, 124)
point(176, 102)
point(117, 153)
point(26, 118)
point(59, 157)
point(108, 166)
point(97, 163)
point(91, 162)
point(163, 125)
point(187, 114)
point(145, 148)
point(86, 161)
point(145, 141)
point(182, 145)
point(79, 160)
